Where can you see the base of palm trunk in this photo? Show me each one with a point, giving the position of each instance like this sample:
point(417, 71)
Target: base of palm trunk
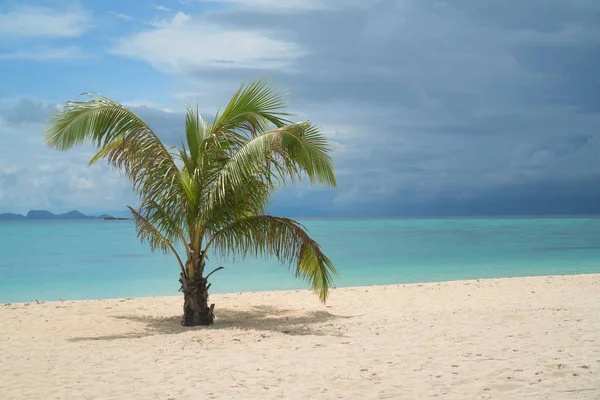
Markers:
point(196, 310)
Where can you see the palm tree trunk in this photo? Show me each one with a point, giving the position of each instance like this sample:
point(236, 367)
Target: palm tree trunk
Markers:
point(196, 310)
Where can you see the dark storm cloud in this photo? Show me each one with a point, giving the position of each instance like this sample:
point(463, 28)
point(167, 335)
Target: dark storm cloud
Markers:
point(539, 15)
point(26, 111)
point(168, 125)
point(440, 106)
point(404, 54)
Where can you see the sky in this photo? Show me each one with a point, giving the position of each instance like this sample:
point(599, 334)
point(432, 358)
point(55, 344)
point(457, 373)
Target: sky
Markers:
point(458, 107)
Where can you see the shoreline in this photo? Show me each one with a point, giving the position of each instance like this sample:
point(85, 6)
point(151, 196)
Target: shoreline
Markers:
point(332, 291)
point(491, 338)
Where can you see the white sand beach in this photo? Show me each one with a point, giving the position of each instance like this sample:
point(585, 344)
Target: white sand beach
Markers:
point(536, 337)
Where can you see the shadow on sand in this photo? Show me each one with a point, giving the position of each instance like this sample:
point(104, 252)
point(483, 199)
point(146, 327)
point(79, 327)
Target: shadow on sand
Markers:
point(259, 318)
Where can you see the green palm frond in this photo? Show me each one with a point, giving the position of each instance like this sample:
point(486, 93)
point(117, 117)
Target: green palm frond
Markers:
point(252, 108)
point(307, 147)
point(250, 200)
point(286, 152)
point(265, 235)
point(127, 144)
point(196, 131)
point(169, 225)
point(123, 139)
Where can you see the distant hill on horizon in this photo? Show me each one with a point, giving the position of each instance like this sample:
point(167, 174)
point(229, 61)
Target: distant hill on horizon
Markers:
point(47, 215)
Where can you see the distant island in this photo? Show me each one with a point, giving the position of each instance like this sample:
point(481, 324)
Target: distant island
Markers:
point(111, 218)
point(47, 215)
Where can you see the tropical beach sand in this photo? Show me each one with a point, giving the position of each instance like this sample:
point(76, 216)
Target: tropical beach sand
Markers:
point(515, 338)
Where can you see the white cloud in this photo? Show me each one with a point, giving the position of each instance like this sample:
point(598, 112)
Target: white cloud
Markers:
point(124, 16)
point(46, 54)
point(183, 44)
point(62, 183)
point(161, 8)
point(56, 168)
point(147, 104)
point(50, 179)
point(29, 21)
point(276, 6)
point(82, 184)
point(9, 170)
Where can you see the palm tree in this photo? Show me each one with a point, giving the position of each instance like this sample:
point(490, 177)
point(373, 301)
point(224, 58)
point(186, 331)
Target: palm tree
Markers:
point(213, 191)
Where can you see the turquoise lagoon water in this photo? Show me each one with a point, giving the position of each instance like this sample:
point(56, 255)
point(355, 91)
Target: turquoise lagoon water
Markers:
point(51, 260)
